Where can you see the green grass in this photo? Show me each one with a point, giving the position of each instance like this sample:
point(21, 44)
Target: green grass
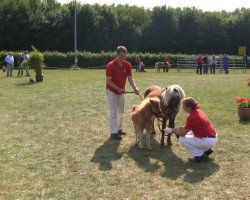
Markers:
point(54, 141)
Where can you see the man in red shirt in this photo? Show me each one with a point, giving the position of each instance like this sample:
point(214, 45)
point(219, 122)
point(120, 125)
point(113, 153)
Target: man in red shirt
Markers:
point(117, 72)
point(198, 135)
point(199, 62)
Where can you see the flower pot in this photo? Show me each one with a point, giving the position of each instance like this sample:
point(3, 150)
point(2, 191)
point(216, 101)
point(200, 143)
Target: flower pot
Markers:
point(39, 78)
point(244, 114)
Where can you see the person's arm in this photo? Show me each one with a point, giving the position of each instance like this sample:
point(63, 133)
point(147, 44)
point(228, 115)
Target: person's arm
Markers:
point(181, 131)
point(114, 86)
point(132, 84)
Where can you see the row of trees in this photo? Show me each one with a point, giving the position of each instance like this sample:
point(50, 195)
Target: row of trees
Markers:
point(48, 25)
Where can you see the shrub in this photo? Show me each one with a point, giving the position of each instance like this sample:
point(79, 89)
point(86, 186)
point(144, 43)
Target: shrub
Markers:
point(35, 61)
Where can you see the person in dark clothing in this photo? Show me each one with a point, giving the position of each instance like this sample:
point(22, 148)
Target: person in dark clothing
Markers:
point(245, 60)
point(206, 61)
point(20, 67)
point(199, 62)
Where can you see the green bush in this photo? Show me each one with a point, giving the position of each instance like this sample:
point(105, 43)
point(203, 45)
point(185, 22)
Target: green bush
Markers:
point(95, 60)
point(35, 61)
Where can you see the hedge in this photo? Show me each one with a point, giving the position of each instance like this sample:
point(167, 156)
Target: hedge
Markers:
point(95, 60)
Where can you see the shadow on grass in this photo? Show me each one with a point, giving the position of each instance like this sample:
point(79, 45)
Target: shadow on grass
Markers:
point(106, 153)
point(174, 167)
point(244, 122)
point(24, 84)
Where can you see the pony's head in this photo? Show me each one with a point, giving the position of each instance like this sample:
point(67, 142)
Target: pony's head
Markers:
point(155, 106)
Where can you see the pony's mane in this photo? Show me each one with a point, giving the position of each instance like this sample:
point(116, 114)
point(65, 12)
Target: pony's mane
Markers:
point(171, 92)
point(145, 103)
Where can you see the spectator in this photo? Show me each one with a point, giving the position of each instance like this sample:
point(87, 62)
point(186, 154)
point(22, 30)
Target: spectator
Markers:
point(138, 63)
point(245, 59)
point(225, 61)
point(205, 61)
point(213, 64)
point(10, 64)
point(199, 62)
point(142, 67)
point(20, 67)
point(166, 64)
point(25, 58)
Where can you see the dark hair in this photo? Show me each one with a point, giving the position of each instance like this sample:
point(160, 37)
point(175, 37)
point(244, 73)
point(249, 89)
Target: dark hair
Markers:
point(121, 49)
point(190, 103)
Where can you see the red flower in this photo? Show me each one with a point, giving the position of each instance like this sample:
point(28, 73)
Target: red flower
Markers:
point(240, 100)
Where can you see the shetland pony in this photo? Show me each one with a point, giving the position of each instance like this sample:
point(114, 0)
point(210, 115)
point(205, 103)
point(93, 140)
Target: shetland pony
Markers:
point(159, 65)
point(142, 118)
point(170, 99)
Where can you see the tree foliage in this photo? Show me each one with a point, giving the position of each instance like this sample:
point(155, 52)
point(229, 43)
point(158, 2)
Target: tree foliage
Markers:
point(48, 25)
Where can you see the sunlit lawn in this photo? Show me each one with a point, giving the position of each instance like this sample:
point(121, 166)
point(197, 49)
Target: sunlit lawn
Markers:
point(54, 141)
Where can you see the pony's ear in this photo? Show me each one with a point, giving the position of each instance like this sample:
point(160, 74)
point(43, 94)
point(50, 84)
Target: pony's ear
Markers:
point(164, 89)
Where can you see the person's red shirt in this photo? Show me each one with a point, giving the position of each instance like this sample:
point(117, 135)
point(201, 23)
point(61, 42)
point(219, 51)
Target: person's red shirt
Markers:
point(199, 60)
point(199, 123)
point(118, 73)
point(166, 61)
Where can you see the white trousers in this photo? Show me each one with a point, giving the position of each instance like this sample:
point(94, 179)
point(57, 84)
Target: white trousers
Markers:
point(116, 105)
point(197, 146)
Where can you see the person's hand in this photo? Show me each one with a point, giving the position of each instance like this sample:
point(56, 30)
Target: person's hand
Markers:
point(136, 91)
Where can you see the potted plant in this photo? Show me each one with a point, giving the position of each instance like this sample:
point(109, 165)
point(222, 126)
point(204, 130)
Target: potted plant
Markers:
point(243, 108)
point(36, 62)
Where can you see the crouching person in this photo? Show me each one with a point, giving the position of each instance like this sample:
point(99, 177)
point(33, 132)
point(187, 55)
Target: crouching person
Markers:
point(198, 136)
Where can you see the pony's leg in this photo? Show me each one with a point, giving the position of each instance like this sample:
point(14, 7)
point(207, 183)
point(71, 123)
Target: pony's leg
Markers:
point(148, 136)
point(153, 127)
point(140, 135)
point(136, 134)
point(171, 125)
point(164, 121)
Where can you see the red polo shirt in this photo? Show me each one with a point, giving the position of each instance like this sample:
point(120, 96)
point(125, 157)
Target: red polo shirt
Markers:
point(198, 122)
point(118, 73)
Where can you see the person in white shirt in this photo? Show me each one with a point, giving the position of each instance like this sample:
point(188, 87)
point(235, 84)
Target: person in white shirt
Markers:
point(213, 64)
point(25, 58)
point(10, 64)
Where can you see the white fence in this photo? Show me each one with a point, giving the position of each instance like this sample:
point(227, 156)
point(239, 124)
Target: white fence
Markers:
point(190, 63)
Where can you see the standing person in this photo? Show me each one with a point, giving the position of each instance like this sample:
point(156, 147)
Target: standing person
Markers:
point(117, 72)
point(213, 64)
point(10, 64)
point(138, 63)
point(205, 61)
point(245, 60)
point(198, 136)
point(199, 62)
point(166, 63)
point(26, 58)
point(20, 67)
point(225, 61)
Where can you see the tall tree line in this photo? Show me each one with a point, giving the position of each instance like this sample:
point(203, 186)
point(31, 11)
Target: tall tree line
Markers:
point(48, 25)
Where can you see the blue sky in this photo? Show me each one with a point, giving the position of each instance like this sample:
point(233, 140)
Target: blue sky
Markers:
point(208, 5)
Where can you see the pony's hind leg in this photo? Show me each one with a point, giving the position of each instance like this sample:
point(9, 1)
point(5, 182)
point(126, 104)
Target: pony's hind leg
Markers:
point(140, 131)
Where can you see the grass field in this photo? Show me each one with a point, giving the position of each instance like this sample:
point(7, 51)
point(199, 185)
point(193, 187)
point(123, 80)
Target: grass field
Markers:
point(54, 141)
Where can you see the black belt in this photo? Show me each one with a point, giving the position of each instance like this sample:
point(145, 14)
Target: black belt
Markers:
point(211, 136)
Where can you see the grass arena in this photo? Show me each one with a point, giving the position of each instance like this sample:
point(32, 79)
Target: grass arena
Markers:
point(54, 141)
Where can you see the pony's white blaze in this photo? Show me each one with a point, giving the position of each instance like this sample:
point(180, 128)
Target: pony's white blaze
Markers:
point(169, 92)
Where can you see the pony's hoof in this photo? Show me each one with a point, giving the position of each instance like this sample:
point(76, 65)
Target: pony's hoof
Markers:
point(162, 144)
point(170, 144)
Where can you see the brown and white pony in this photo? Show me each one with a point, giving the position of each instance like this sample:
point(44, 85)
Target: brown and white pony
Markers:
point(159, 65)
point(143, 117)
point(170, 98)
